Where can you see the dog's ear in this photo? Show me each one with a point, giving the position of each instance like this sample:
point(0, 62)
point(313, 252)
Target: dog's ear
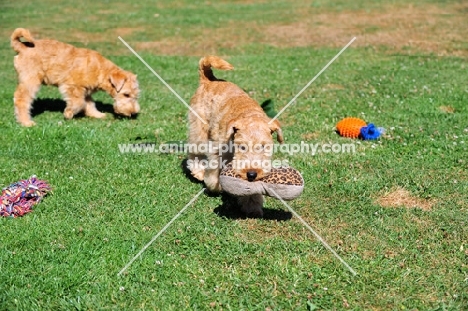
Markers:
point(275, 127)
point(117, 79)
point(231, 129)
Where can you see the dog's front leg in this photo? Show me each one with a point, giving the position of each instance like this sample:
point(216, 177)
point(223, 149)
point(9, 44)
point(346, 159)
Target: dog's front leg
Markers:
point(252, 205)
point(90, 109)
point(196, 165)
point(75, 98)
point(212, 172)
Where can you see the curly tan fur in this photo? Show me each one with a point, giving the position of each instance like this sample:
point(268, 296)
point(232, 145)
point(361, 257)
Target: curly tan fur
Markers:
point(77, 72)
point(232, 118)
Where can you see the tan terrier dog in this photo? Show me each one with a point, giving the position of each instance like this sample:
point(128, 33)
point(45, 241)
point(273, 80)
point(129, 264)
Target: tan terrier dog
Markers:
point(227, 125)
point(77, 72)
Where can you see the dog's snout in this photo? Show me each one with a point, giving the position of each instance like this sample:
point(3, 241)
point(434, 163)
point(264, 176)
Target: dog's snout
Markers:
point(251, 175)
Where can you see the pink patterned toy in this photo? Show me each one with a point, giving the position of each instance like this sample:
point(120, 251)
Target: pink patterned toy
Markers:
point(18, 198)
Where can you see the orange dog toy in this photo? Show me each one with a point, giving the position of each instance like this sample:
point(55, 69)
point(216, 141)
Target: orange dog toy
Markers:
point(350, 127)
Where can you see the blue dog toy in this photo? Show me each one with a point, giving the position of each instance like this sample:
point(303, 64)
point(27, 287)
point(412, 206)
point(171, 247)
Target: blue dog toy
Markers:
point(370, 132)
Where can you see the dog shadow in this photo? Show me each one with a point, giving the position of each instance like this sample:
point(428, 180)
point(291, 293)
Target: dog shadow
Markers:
point(41, 105)
point(229, 208)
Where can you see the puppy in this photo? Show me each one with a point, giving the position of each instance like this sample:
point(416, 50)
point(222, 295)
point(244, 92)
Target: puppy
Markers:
point(77, 72)
point(226, 125)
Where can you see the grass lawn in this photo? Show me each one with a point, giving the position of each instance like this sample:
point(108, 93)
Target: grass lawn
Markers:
point(396, 209)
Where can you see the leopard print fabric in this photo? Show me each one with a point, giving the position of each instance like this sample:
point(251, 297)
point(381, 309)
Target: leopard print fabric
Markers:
point(279, 176)
point(284, 176)
point(228, 171)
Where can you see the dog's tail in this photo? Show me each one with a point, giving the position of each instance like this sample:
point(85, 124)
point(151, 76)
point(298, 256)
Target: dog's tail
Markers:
point(208, 62)
point(19, 45)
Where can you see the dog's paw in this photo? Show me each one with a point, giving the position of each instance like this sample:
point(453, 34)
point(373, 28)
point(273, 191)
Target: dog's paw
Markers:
point(28, 123)
point(196, 170)
point(96, 114)
point(200, 175)
point(214, 188)
point(68, 114)
point(212, 183)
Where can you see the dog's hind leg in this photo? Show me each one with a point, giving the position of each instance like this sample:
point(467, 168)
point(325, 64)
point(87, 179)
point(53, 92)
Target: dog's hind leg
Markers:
point(75, 98)
point(23, 98)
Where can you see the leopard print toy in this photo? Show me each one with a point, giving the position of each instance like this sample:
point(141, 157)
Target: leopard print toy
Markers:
point(283, 182)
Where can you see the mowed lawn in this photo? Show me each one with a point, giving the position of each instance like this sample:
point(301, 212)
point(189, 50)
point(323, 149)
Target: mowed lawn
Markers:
point(395, 210)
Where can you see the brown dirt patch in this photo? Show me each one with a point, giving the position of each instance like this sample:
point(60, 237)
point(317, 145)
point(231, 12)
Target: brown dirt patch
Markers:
point(395, 28)
point(427, 28)
point(170, 47)
point(332, 87)
point(84, 36)
point(310, 136)
point(402, 198)
point(447, 109)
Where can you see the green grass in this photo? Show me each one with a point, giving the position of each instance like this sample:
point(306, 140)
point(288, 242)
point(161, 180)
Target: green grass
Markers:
point(106, 205)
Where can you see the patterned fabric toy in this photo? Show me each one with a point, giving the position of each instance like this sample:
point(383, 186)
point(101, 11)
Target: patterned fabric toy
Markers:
point(18, 198)
point(285, 182)
point(357, 128)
